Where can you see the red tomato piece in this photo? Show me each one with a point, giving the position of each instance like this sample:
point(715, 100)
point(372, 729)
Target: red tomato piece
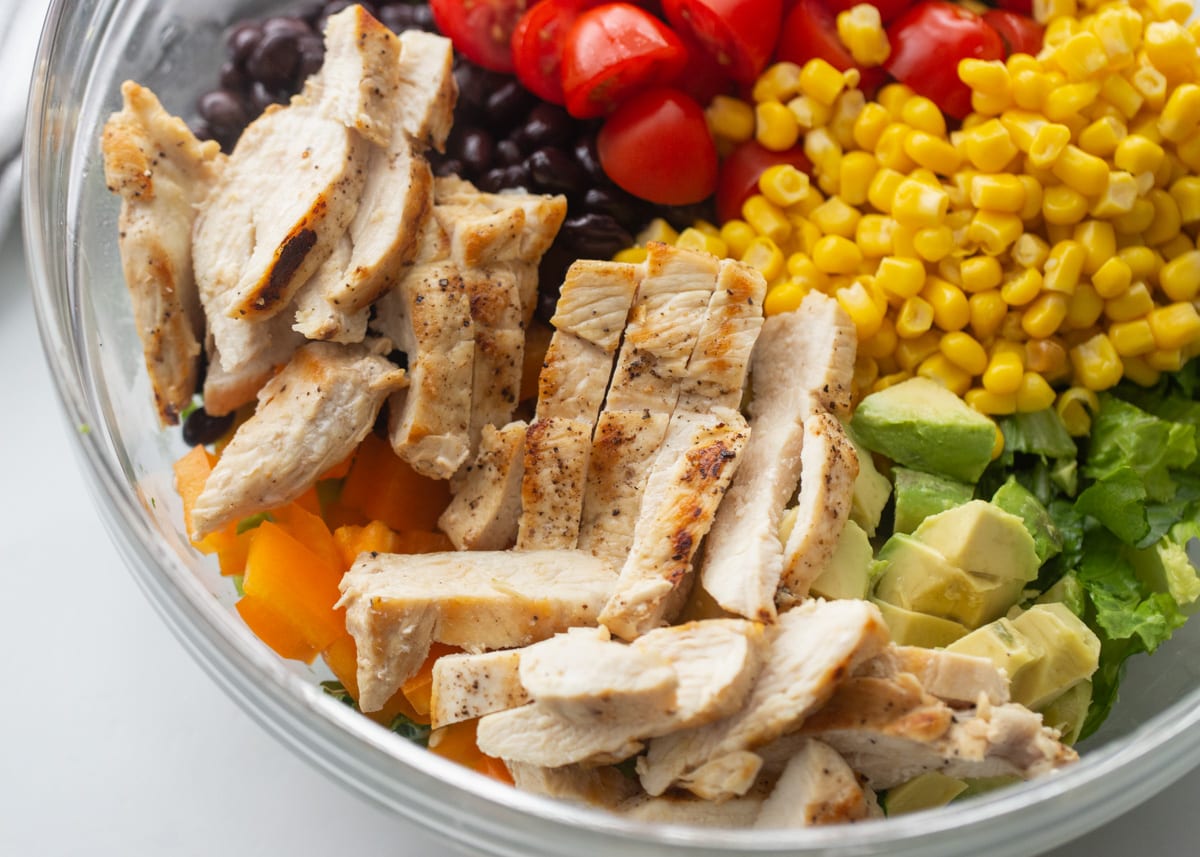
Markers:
point(702, 78)
point(481, 30)
point(1021, 7)
point(614, 50)
point(740, 172)
point(657, 146)
point(738, 34)
point(537, 45)
point(810, 32)
point(889, 10)
point(1021, 34)
point(928, 42)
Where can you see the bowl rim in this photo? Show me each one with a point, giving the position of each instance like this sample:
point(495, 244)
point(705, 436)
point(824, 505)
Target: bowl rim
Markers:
point(384, 767)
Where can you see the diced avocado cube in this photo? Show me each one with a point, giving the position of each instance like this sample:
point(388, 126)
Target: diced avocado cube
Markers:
point(847, 574)
point(1068, 711)
point(920, 495)
point(920, 424)
point(918, 578)
point(918, 629)
point(1002, 644)
point(871, 491)
point(983, 539)
point(1071, 653)
point(926, 791)
point(1069, 591)
point(1015, 498)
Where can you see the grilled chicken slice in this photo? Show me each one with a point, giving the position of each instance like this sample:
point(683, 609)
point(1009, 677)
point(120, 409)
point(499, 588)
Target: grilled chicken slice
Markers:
point(496, 315)
point(738, 813)
point(486, 228)
point(467, 686)
point(309, 417)
point(890, 730)
point(318, 318)
point(161, 172)
point(485, 512)
point(555, 469)
point(812, 649)
point(573, 718)
point(397, 605)
point(744, 558)
point(427, 92)
point(271, 343)
point(604, 786)
point(954, 678)
point(686, 483)
point(816, 787)
point(828, 468)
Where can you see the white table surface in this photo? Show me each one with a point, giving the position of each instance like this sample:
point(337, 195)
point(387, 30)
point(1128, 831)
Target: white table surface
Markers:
point(114, 741)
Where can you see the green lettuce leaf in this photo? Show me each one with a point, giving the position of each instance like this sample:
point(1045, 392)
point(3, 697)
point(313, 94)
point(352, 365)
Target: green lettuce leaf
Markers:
point(1125, 436)
point(1118, 502)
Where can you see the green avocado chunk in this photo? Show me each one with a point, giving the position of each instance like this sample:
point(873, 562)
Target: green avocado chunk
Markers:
point(1071, 653)
point(1015, 498)
point(920, 495)
point(909, 628)
point(918, 578)
point(926, 791)
point(1002, 644)
point(871, 491)
point(848, 573)
point(1068, 711)
point(983, 539)
point(920, 424)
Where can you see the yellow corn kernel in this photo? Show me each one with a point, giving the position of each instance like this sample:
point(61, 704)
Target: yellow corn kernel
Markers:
point(964, 351)
point(1030, 251)
point(1063, 205)
point(1086, 173)
point(657, 230)
point(1033, 197)
point(988, 311)
point(980, 273)
point(870, 124)
point(914, 318)
point(845, 113)
point(1170, 46)
point(730, 119)
point(778, 82)
point(1151, 85)
point(1045, 315)
point(1048, 144)
point(903, 242)
point(860, 29)
point(1119, 197)
point(784, 297)
point(893, 96)
point(1137, 154)
point(1143, 262)
point(1140, 372)
point(1133, 303)
point(1022, 288)
point(989, 146)
point(1112, 278)
point(835, 217)
point(824, 152)
point(1064, 267)
point(1165, 360)
point(1121, 94)
point(873, 235)
point(1047, 357)
point(1180, 278)
point(903, 278)
point(633, 255)
point(1096, 363)
point(803, 270)
point(922, 114)
point(1034, 394)
point(1081, 55)
point(1136, 220)
point(933, 243)
point(1003, 192)
point(918, 204)
point(1177, 246)
point(1059, 29)
point(857, 171)
point(1084, 308)
point(1075, 407)
point(856, 300)
point(1099, 242)
point(776, 127)
point(1181, 114)
point(910, 352)
point(936, 367)
point(987, 402)
point(889, 380)
point(1069, 100)
point(987, 76)
point(821, 81)
point(889, 148)
point(766, 218)
point(764, 256)
point(1186, 193)
point(994, 231)
point(783, 185)
point(1188, 152)
point(1131, 338)
point(932, 152)
point(882, 191)
point(737, 235)
point(1102, 137)
point(1004, 372)
point(702, 242)
point(834, 254)
point(1175, 325)
point(882, 343)
point(950, 308)
point(1030, 88)
point(1167, 221)
point(809, 113)
point(805, 234)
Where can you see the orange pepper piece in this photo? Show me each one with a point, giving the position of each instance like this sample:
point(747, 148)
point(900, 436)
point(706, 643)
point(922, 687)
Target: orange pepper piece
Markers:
point(375, 536)
point(419, 687)
point(383, 487)
point(342, 659)
point(275, 630)
point(457, 743)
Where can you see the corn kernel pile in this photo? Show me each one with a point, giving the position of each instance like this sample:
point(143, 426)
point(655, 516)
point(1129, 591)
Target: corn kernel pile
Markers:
point(1048, 243)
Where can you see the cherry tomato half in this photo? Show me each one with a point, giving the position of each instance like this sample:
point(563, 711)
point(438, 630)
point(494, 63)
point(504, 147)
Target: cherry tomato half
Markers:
point(702, 78)
point(889, 10)
point(480, 29)
point(810, 31)
point(614, 50)
point(1021, 34)
point(656, 146)
point(741, 169)
point(739, 35)
point(929, 41)
point(537, 45)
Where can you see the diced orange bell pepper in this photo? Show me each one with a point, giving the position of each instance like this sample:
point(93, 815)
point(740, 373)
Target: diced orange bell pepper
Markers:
point(419, 687)
point(339, 470)
point(275, 630)
point(421, 541)
point(375, 536)
point(191, 472)
point(383, 487)
point(457, 742)
point(342, 659)
point(233, 552)
point(310, 530)
point(300, 585)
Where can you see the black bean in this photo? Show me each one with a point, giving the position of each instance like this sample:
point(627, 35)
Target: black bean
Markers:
point(286, 24)
point(276, 58)
point(589, 158)
point(622, 207)
point(683, 216)
point(232, 77)
point(595, 236)
point(223, 111)
point(506, 103)
point(423, 18)
point(546, 125)
point(508, 153)
point(201, 427)
point(449, 167)
point(312, 55)
point(261, 97)
point(554, 171)
point(242, 40)
point(474, 148)
point(398, 17)
point(505, 177)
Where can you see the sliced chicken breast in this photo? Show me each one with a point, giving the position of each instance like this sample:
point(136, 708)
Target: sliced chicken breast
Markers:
point(697, 460)
point(816, 787)
point(484, 514)
point(318, 318)
point(467, 686)
point(604, 786)
point(496, 315)
point(269, 345)
point(309, 417)
point(161, 172)
point(954, 678)
point(397, 605)
point(555, 470)
point(486, 228)
point(812, 649)
point(428, 91)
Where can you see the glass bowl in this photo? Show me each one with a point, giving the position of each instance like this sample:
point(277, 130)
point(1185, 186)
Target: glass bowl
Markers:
point(173, 46)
